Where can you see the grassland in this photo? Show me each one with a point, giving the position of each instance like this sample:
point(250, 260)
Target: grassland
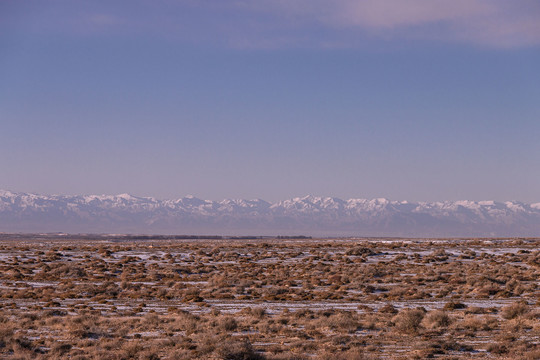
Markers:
point(340, 299)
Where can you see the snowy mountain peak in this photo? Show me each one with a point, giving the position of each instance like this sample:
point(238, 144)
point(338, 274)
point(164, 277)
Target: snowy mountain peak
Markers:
point(311, 215)
point(126, 196)
point(6, 193)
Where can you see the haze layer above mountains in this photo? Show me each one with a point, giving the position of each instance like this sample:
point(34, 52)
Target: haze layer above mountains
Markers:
point(309, 215)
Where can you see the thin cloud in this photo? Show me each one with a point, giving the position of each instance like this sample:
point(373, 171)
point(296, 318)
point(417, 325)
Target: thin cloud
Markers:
point(393, 14)
point(380, 14)
point(497, 23)
point(289, 23)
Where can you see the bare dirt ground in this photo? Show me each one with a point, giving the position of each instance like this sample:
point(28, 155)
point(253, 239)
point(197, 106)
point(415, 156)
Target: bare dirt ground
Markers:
point(115, 297)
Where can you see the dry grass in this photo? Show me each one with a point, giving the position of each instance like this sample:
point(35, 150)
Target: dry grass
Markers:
point(278, 299)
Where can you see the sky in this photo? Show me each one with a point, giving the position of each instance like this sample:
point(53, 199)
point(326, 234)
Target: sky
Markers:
point(419, 100)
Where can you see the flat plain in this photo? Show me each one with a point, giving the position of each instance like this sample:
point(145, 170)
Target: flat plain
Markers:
point(121, 297)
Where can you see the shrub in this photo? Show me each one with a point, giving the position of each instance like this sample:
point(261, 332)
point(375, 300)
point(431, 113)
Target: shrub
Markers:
point(341, 322)
point(514, 310)
point(228, 324)
point(437, 319)
point(408, 320)
point(238, 350)
point(388, 309)
point(60, 348)
point(497, 349)
point(477, 323)
point(351, 354)
point(454, 306)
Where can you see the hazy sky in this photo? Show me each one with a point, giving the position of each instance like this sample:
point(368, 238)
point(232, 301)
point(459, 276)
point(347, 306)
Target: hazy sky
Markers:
point(406, 99)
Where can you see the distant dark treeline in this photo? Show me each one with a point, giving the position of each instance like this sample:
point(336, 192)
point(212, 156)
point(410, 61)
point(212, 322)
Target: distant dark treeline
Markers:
point(293, 237)
point(193, 237)
point(209, 237)
point(12, 236)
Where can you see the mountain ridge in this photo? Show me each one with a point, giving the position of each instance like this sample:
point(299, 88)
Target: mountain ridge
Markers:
point(309, 215)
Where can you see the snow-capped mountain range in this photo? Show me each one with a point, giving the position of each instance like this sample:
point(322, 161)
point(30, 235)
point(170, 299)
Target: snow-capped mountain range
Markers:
point(309, 215)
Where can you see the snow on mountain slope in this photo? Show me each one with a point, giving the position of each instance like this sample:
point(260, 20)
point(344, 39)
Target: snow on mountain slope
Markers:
point(310, 215)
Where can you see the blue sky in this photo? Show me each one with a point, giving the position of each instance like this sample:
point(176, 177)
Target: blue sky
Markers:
point(420, 100)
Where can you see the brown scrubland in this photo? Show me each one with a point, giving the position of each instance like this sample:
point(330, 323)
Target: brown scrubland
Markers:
point(283, 299)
